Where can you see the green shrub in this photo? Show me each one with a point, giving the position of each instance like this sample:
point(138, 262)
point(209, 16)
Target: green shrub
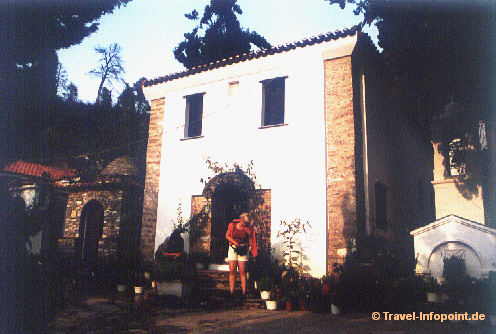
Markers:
point(265, 283)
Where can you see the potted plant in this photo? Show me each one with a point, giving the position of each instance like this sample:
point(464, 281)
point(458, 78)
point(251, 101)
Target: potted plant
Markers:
point(274, 295)
point(139, 286)
point(331, 297)
point(432, 289)
point(200, 259)
point(303, 294)
point(174, 277)
point(490, 298)
point(123, 272)
point(265, 286)
point(289, 233)
point(263, 266)
point(317, 301)
point(148, 270)
point(138, 280)
point(290, 287)
point(122, 278)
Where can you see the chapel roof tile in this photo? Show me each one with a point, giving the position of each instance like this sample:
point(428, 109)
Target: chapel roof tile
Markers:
point(36, 170)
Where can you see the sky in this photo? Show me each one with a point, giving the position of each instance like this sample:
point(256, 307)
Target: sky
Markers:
point(149, 30)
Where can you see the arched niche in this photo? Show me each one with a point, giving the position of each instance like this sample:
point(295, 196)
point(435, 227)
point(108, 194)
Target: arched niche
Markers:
point(447, 249)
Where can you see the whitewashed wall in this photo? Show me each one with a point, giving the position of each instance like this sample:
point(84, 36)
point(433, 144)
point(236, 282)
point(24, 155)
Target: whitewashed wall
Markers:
point(453, 235)
point(289, 160)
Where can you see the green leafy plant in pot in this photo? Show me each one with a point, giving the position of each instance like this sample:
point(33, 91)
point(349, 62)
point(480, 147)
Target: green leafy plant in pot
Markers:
point(491, 298)
point(200, 259)
point(265, 285)
point(290, 287)
point(432, 289)
point(274, 296)
point(289, 234)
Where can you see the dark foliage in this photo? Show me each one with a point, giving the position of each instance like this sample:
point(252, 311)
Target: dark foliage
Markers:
point(441, 53)
point(32, 32)
point(377, 275)
point(223, 36)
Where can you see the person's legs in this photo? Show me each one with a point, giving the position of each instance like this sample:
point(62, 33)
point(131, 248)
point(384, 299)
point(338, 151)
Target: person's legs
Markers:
point(242, 275)
point(232, 275)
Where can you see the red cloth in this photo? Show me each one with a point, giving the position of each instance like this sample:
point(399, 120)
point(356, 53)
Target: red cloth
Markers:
point(241, 236)
point(252, 238)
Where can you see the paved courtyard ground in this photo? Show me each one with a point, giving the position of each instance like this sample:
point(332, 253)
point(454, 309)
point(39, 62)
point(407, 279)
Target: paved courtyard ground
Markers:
point(106, 315)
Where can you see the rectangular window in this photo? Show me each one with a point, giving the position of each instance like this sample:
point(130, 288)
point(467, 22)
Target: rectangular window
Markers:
point(194, 113)
point(273, 101)
point(381, 206)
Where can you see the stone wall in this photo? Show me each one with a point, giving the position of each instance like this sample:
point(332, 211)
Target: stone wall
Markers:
point(340, 169)
point(111, 202)
point(200, 237)
point(150, 198)
point(262, 217)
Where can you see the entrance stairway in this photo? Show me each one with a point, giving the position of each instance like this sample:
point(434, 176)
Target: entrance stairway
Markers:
point(212, 289)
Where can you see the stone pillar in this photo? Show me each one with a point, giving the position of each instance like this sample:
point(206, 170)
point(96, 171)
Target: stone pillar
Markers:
point(340, 169)
point(150, 198)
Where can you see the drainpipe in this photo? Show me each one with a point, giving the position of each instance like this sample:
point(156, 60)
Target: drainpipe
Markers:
point(363, 109)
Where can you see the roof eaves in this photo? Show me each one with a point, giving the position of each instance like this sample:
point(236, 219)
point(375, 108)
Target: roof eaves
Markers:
point(256, 54)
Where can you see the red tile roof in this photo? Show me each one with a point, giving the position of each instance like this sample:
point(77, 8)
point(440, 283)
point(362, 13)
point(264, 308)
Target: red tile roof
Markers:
point(256, 54)
point(31, 169)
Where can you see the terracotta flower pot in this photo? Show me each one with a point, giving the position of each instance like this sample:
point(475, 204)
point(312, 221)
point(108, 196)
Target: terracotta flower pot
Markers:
point(326, 289)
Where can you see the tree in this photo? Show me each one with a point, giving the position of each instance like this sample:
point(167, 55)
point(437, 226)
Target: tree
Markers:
point(441, 56)
point(142, 104)
point(106, 98)
point(32, 31)
point(223, 36)
point(61, 80)
point(132, 99)
point(110, 67)
point(126, 101)
point(71, 93)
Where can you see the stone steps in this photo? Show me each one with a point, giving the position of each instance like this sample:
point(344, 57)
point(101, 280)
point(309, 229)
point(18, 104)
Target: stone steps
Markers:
point(212, 287)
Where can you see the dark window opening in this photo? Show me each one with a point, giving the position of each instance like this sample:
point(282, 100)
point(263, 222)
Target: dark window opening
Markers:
point(194, 113)
point(273, 101)
point(381, 206)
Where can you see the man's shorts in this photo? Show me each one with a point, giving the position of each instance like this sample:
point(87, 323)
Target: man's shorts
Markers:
point(232, 256)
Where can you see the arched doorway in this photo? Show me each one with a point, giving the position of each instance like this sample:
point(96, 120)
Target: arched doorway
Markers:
point(90, 233)
point(229, 194)
point(228, 202)
point(223, 198)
